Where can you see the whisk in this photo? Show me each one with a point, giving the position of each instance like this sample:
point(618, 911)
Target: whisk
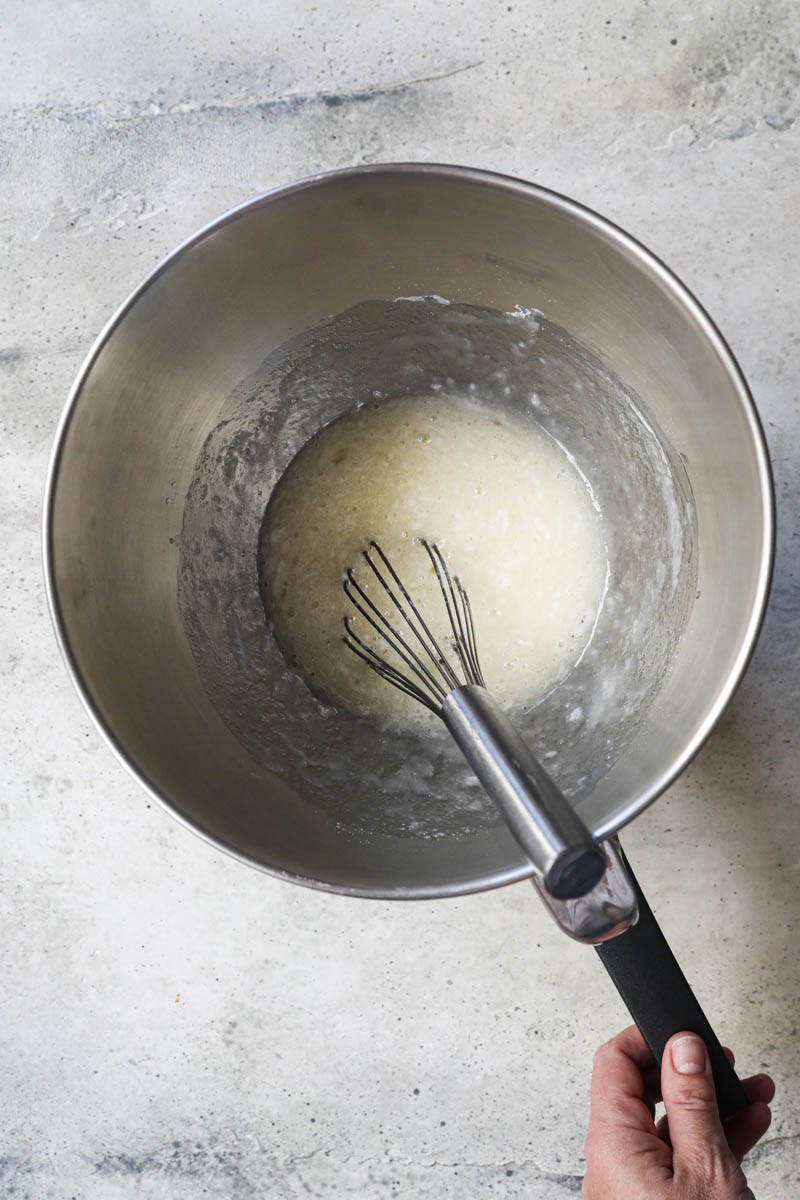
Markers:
point(449, 682)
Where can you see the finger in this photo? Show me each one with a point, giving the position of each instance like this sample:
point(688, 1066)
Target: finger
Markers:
point(759, 1087)
point(617, 1084)
point(690, 1099)
point(633, 1046)
point(652, 1080)
point(618, 1066)
point(747, 1127)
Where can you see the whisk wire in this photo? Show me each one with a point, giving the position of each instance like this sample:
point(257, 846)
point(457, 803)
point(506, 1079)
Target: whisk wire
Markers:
point(437, 655)
point(384, 669)
point(451, 593)
point(472, 640)
point(429, 688)
point(389, 634)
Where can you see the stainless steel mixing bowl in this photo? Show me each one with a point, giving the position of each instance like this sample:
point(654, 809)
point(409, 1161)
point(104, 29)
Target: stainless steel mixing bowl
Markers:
point(150, 392)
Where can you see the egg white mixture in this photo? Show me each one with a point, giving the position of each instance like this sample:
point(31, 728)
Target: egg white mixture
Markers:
point(509, 510)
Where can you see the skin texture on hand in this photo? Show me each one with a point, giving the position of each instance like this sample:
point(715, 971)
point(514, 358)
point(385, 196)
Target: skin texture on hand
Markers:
point(689, 1154)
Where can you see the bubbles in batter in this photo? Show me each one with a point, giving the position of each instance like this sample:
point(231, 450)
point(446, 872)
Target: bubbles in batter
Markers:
point(512, 515)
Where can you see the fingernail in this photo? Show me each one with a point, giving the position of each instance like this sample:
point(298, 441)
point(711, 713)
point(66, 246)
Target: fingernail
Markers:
point(689, 1055)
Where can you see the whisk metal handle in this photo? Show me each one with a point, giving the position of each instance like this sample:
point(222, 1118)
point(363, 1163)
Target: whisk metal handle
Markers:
point(549, 831)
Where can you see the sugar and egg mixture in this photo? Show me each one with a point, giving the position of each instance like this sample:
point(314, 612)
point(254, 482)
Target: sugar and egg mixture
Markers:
point(509, 510)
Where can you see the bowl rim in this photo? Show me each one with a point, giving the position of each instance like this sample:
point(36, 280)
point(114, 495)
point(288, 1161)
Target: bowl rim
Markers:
point(646, 259)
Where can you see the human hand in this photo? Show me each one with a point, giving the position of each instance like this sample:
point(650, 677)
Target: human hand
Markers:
point(689, 1154)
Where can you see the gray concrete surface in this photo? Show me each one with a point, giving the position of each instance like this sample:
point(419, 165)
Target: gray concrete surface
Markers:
point(173, 1024)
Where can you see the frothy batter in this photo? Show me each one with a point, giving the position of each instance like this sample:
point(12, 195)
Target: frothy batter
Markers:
point(512, 515)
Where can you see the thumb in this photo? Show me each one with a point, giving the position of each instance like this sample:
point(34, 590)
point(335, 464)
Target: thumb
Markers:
point(698, 1141)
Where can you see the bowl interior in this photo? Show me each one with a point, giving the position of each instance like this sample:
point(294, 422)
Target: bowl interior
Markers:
point(197, 396)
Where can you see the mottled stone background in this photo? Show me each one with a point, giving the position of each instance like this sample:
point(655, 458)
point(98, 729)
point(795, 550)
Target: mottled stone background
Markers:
point(173, 1024)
